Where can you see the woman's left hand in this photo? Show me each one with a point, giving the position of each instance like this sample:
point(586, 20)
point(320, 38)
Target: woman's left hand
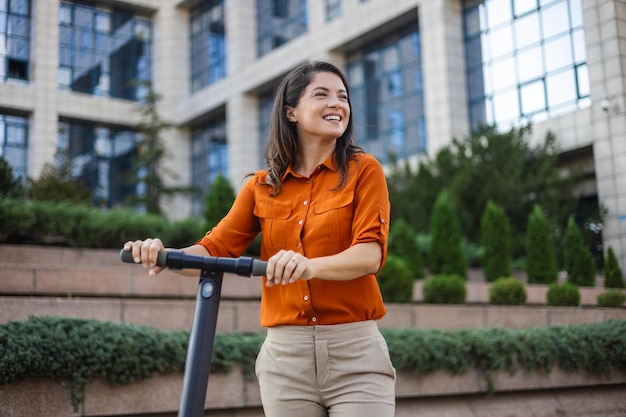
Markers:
point(287, 267)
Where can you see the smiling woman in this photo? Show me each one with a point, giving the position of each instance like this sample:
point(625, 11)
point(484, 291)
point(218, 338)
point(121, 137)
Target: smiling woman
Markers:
point(322, 208)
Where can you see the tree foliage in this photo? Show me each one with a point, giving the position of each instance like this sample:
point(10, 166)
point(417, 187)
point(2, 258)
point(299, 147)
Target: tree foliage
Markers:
point(489, 165)
point(613, 276)
point(541, 266)
point(148, 172)
point(577, 258)
point(496, 241)
point(57, 183)
point(403, 244)
point(446, 254)
point(218, 201)
point(10, 186)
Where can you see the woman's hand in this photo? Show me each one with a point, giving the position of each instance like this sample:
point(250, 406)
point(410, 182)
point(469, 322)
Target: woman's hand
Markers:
point(287, 267)
point(146, 252)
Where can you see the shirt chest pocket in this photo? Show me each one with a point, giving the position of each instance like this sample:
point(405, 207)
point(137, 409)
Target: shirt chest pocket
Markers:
point(273, 218)
point(334, 217)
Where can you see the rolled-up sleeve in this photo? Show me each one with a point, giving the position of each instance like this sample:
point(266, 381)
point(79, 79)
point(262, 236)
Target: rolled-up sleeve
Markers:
point(372, 207)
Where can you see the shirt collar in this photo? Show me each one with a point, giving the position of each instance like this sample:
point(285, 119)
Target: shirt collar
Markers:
point(328, 164)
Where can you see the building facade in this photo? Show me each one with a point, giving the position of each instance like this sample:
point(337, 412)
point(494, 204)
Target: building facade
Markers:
point(73, 72)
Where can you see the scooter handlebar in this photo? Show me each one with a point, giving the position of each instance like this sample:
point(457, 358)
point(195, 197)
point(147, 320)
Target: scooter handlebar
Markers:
point(243, 266)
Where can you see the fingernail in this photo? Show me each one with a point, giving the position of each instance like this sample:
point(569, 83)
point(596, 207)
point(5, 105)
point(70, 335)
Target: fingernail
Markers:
point(136, 259)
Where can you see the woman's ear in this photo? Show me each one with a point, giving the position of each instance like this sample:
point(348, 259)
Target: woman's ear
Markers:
point(291, 116)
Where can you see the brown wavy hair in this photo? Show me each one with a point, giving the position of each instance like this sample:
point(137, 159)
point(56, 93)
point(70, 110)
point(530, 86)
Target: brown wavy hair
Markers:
point(282, 145)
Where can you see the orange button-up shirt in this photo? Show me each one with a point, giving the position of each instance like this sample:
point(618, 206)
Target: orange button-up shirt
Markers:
point(310, 217)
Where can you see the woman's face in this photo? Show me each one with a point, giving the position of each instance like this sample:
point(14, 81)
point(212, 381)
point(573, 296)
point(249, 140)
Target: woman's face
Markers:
point(323, 110)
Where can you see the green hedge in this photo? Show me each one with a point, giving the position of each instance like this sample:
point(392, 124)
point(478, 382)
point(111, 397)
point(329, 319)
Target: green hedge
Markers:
point(77, 225)
point(78, 351)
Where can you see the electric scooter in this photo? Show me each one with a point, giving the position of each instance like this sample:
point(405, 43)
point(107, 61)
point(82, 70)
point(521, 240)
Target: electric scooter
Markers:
point(202, 335)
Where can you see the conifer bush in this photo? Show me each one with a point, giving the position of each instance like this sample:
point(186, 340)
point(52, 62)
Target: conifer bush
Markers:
point(613, 277)
point(611, 299)
point(564, 295)
point(496, 242)
point(444, 289)
point(541, 266)
point(507, 291)
point(396, 280)
point(403, 244)
point(577, 258)
point(446, 254)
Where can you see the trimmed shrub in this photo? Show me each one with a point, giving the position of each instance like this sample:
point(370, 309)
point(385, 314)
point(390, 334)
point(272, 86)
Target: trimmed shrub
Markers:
point(403, 244)
point(541, 266)
point(446, 254)
point(507, 291)
point(611, 299)
point(577, 258)
point(496, 241)
point(218, 201)
point(613, 277)
point(396, 281)
point(444, 289)
point(566, 294)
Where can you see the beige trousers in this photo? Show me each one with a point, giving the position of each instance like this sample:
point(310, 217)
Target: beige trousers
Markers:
point(339, 370)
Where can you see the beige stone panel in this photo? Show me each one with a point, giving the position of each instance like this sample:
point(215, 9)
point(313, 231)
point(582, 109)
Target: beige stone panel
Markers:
point(449, 317)
point(21, 308)
point(37, 397)
point(560, 316)
point(516, 317)
point(438, 383)
point(30, 254)
point(162, 314)
point(595, 401)
point(81, 280)
point(537, 404)
point(536, 294)
point(166, 284)
point(556, 378)
point(16, 279)
point(433, 407)
point(242, 287)
point(477, 292)
point(248, 317)
point(398, 316)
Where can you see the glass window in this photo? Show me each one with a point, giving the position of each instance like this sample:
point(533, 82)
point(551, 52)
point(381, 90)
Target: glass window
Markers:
point(387, 95)
point(278, 22)
point(208, 44)
point(14, 40)
point(103, 51)
point(101, 157)
point(333, 9)
point(209, 157)
point(533, 60)
point(14, 143)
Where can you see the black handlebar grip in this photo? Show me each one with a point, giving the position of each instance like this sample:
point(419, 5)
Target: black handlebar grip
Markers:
point(127, 257)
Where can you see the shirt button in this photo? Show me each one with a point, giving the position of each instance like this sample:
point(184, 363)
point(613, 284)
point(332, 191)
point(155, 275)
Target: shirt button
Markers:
point(300, 222)
point(306, 298)
point(299, 245)
point(314, 319)
point(306, 202)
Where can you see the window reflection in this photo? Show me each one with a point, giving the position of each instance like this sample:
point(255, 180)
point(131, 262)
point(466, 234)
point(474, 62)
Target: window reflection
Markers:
point(526, 60)
point(387, 95)
point(209, 158)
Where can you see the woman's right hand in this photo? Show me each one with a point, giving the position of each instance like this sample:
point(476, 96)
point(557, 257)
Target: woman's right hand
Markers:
point(146, 252)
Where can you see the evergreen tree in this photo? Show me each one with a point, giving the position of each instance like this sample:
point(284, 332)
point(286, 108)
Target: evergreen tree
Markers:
point(148, 170)
point(577, 258)
point(9, 185)
point(541, 266)
point(446, 254)
point(613, 277)
point(403, 244)
point(56, 183)
point(488, 165)
point(496, 241)
point(218, 201)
